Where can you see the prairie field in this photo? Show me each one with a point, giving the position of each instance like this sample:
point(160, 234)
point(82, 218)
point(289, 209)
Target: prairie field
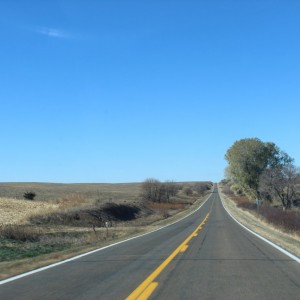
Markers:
point(66, 219)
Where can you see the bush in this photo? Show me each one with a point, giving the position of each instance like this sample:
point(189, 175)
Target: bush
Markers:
point(202, 187)
point(29, 195)
point(288, 220)
point(188, 191)
point(247, 205)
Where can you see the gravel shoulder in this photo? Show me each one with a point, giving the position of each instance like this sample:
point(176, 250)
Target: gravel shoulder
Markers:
point(289, 242)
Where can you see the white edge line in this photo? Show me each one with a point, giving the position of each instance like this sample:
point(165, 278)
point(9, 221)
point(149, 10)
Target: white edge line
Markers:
point(96, 250)
point(294, 257)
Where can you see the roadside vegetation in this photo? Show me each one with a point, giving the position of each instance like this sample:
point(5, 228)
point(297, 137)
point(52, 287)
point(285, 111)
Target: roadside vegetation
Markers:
point(263, 180)
point(84, 218)
point(286, 221)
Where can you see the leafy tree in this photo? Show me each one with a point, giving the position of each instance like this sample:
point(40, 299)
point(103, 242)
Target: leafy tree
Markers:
point(247, 159)
point(262, 170)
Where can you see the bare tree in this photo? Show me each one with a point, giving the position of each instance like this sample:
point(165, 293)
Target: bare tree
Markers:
point(280, 182)
point(151, 190)
point(156, 191)
point(188, 191)
point(201, 187)
point(171, 189)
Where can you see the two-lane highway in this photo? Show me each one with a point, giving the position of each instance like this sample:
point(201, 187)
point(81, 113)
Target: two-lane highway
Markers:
point(204, 256)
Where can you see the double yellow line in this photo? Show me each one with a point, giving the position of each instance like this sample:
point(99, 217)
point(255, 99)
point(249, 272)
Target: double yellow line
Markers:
point(147, 287)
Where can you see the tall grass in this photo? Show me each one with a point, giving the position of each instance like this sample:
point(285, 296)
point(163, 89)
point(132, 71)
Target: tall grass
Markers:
point(20, 233)
point(165, 205)
point(288, 220)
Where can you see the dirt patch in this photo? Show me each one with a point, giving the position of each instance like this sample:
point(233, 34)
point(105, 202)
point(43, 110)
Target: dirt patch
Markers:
point(290, 242)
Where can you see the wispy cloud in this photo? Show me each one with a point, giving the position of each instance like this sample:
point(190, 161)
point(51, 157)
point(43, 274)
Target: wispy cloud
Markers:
point(53, 32)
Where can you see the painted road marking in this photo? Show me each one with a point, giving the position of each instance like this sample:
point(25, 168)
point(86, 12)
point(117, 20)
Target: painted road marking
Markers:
point(99, 249)
point(184, 247)
point(292, 256)
point(148, 291)
point(143, 290)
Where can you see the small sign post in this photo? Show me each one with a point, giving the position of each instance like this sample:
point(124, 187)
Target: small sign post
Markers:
point(258, 203)
point(106, 225)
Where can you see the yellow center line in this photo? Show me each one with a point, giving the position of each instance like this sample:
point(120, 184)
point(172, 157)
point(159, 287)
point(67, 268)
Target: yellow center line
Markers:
point(146, 288)
point(148, 291)
point(184, 247)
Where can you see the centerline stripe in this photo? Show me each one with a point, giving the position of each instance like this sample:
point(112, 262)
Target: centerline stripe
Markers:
point(146, 288)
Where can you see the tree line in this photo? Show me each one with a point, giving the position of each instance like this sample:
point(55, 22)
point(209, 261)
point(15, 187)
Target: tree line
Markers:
point(261, 170)
point(154, 190)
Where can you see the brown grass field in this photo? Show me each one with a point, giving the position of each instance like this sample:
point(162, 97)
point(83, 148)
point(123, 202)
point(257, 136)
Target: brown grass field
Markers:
point(67, 219)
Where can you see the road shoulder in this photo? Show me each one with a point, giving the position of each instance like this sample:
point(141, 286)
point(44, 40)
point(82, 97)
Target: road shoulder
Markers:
point(289, 242)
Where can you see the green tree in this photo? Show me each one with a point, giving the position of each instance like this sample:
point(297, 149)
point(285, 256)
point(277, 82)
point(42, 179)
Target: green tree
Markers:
point(247, 159)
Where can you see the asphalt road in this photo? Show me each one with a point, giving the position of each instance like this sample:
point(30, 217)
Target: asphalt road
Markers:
point(205, 256)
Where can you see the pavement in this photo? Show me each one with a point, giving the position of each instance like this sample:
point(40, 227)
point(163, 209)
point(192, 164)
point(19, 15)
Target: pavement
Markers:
point(204, 256)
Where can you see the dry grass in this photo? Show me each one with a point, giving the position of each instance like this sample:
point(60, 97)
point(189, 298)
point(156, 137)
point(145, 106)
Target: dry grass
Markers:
point(49, 242)
point(285, 220)
point(65, 197)
point(55, 191)
point(93, 241)
point(288, 241)
point(14, 211)
point(20, 233)
point(165, 205)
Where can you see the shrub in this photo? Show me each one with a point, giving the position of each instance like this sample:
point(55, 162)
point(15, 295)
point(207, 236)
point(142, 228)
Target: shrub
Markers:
point(201, 187)
point(188, 191)
point(288, 220)
point(246, 205)
point(29, 195)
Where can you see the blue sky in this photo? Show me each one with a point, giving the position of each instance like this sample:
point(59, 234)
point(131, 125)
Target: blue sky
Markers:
point(119, 91)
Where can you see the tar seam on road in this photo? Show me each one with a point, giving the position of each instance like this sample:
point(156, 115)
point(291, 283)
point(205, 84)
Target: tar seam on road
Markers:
point(96, 250)
point(147, 287)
